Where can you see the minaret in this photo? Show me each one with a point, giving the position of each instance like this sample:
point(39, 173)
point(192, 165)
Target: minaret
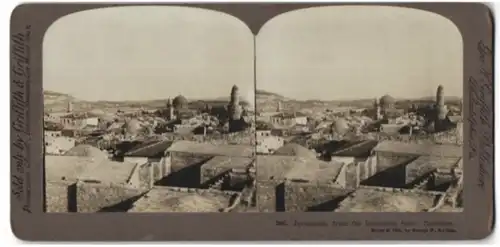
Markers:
point(441, 108)
point(170, 109)
point(378, 114)
point(234, 105)
point(70, 106)
point(279, 108)
point(234, 111)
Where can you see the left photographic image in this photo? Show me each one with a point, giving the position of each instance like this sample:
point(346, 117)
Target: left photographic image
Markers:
point(149, 109)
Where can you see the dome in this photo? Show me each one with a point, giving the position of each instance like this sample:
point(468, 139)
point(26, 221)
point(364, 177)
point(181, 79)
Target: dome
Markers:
point(132, 126)
point(340, 126)
point(294, 149)
point(85, 150)
point(180, 102)
point(387, 100)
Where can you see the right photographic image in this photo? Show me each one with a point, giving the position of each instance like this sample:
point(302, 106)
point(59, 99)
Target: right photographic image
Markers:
point(359, 109)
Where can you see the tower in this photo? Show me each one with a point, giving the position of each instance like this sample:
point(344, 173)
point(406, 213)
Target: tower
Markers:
point(441, 108)
point(170, 108)
point(234, 105)
point(235, 111)
point(440, 96)
point(70, 106)
point(378, 114)
point(279, 107)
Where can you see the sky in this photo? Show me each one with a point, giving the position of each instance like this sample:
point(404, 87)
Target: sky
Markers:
point(352, 52)
point(143, 53)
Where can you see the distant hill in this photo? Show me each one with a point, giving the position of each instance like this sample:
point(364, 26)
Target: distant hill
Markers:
point(265, 101)
point(56, 102)
point(268, 102)
point(264, 93)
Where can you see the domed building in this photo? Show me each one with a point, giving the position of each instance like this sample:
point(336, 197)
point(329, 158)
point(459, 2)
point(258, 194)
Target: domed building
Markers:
point(85, 150)
point(387, 102)
point(180, 102)
point(340, 126)
point(132, 127)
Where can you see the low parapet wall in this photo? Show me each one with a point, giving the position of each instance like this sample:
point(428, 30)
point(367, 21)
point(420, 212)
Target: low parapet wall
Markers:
point(401, 190)
point(300, 197)
point(198, 191)
point(95, 197)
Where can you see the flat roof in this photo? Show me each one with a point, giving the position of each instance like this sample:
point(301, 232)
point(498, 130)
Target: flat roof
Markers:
point(228, 162)
point(273, 167)
point(161, 199)
point(436, 162)
point(110, 172)
point(212, 149)
point(442, 150)
point(310, 170)
point(67, 168)
point(279, 167)
point(371, 200)
point(73, 168)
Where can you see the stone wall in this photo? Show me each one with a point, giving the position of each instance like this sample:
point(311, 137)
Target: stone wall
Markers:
point(352, 177)
point(416, 170)
point(146, 177)
point(368, 168)
point(180, 161)
point(209, 173)
point(60, 197)
point(95, 197)
point(157, 171)
point(186, 169)
point(301, 197)
point(442, 179)
point(266, 195)
point(386, 160)
point(237, 181)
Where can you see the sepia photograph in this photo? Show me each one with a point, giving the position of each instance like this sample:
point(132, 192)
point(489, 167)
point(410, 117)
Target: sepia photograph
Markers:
point(251, 121)
point(359, 109)
point(149, 109)
point(178, 109)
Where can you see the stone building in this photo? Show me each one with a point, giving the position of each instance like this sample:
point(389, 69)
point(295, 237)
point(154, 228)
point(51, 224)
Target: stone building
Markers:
point(151, 153)
point(85, 184)
point(187, 157)
point(268, 143)
point(78, 121)
point(288, 119)
point(285, 182)
point(56, 143)
point(392, 159)
point(226, 173)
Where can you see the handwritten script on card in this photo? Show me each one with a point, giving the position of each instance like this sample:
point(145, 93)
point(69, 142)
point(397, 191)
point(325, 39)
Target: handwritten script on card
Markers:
point(20, 135)
point(481, 114)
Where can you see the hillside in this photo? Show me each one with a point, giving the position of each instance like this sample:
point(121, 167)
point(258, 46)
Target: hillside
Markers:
point(57, 102)
point(268, 102)
point(265, 101)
